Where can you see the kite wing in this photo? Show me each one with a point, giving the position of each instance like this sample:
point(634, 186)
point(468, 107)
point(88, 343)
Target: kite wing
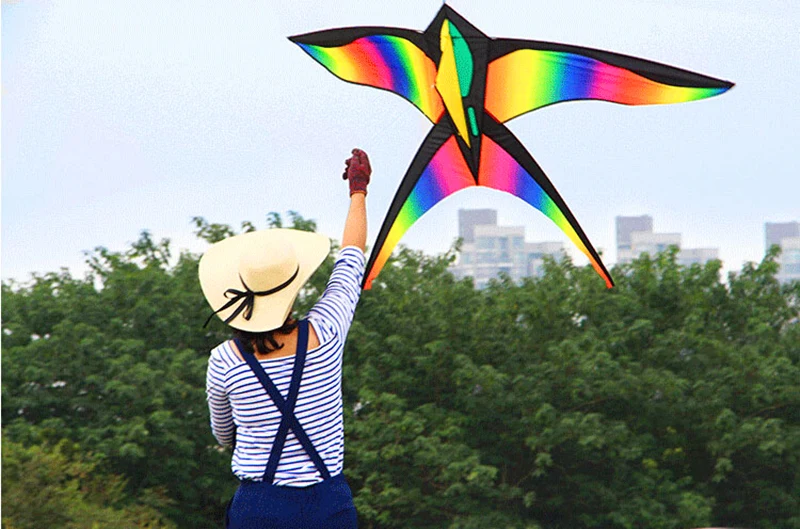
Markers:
point(437, 171)
point(386, 58)
point(524, 75)
point(506, 166)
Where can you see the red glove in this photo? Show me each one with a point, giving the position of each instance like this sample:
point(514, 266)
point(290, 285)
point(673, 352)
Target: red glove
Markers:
point(357, 172)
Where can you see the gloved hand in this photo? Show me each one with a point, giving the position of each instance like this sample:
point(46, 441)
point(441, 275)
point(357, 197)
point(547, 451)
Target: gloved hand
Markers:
point(357, 171)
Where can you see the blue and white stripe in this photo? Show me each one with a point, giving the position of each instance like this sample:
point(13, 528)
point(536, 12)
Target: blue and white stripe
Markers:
point(235, 396)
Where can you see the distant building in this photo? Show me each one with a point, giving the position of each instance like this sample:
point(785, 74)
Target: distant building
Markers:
point(787, 236)
point(537, 251)
point(635, 236)
point(649, 243)
point(489, 250)
point(774, 232)
point(628, 225)
point(790, 260)
point(469, 218)
point(700, 256)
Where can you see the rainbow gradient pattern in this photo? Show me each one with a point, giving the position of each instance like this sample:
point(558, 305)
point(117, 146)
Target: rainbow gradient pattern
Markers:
point(499, 170)
point(388, 62)
point(445, 174)
point(509, 77)
point(527, 79)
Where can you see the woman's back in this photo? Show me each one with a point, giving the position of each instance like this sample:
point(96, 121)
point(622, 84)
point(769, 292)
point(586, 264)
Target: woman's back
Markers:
point(282, 410)
point(236, 397)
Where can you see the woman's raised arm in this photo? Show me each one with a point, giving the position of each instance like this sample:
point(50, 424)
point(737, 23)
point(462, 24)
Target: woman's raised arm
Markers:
point(357, 173)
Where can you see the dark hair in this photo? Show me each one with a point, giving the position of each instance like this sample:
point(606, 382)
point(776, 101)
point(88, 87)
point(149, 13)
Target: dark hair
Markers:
point(264, 342)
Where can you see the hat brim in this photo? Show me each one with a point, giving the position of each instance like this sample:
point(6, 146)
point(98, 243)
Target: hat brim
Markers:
point(218, 271)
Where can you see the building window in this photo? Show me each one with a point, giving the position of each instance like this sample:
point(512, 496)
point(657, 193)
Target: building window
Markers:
point(486, 257)
point(485, 243)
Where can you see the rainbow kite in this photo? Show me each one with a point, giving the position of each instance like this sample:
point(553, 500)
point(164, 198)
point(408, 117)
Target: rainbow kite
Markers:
point(468, 85)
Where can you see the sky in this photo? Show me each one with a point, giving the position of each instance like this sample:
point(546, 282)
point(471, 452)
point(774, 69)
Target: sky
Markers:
point(125, 116)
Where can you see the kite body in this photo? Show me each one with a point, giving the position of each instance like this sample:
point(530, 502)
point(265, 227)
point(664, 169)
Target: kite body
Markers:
point(468, 85)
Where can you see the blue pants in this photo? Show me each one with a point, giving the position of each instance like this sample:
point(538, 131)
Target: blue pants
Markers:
point(326, 505)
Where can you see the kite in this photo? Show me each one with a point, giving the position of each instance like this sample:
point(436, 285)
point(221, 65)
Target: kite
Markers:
point(468, 85)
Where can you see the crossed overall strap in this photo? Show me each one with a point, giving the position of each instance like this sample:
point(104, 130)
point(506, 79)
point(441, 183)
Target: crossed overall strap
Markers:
point(286, 407)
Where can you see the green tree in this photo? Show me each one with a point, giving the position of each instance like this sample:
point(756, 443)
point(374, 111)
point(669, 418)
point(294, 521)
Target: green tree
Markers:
point(59, 486)
point(116, 362)
point(670, 401)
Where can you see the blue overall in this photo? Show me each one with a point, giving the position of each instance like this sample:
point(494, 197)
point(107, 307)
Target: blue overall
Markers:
point(262, 505)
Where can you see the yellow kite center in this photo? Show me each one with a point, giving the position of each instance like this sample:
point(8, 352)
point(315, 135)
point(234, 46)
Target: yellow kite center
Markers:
point(447, 82)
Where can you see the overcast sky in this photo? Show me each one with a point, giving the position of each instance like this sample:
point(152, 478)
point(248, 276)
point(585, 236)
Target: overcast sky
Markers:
point(123, 116)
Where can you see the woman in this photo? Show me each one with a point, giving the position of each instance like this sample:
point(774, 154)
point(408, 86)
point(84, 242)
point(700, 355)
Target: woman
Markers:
point(274, 390)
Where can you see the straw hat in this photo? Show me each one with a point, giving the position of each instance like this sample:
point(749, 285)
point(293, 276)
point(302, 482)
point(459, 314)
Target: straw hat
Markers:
point(251, 280)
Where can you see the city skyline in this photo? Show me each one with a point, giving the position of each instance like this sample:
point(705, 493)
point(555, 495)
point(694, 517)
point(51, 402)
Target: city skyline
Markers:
point(490, 248)
point(785, 229)
point(636, 236)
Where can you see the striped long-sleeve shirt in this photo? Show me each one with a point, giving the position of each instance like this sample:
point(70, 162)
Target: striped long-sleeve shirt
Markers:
point(235, 396)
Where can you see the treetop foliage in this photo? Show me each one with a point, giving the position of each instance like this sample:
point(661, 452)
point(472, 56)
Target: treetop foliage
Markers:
point(669, 402)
